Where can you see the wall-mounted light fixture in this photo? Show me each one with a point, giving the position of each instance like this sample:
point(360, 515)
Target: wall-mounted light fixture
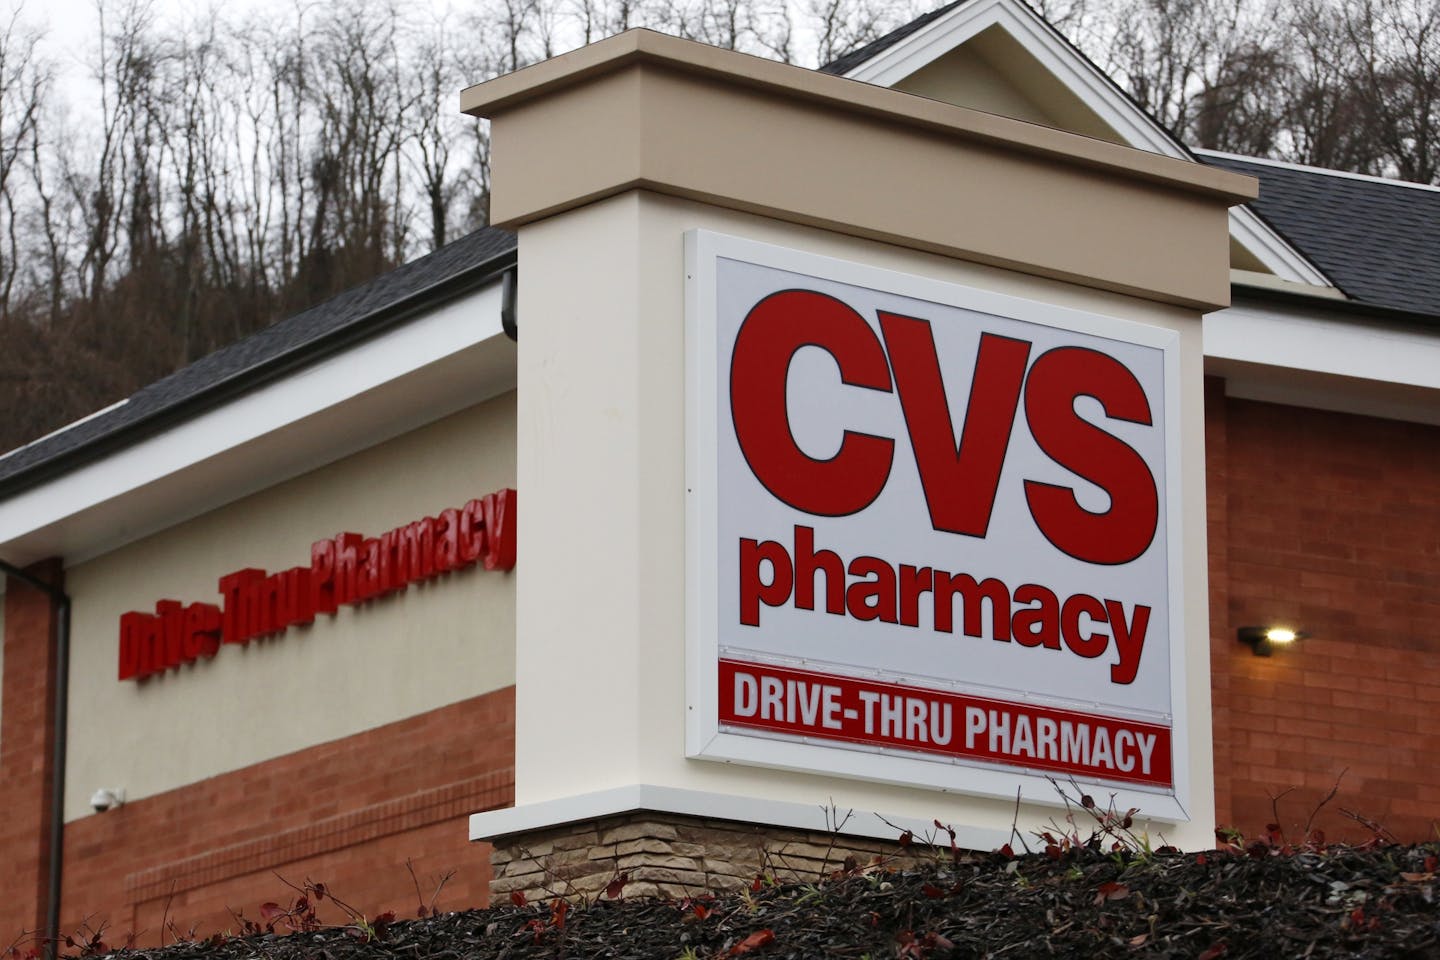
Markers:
point(1264, 640)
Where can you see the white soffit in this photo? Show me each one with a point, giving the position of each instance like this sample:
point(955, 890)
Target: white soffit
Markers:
point(1299, 357)
point(1091, 86)
point(442, 361)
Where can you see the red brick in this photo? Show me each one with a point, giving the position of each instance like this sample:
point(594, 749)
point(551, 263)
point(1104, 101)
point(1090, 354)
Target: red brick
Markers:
point(283, 817)
point(1342, 543)
point(26, 735)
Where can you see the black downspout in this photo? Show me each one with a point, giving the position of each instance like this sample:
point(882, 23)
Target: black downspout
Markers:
point(509, 319)
point(57, 778)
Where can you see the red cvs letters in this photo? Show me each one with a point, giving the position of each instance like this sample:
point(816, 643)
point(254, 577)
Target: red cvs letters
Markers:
point(960, 476)
point(349, 569)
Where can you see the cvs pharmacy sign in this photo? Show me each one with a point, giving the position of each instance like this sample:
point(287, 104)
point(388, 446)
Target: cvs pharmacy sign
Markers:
point(931, 535)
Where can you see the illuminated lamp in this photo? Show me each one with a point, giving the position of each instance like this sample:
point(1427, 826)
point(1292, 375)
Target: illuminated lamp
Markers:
point(1264, 640)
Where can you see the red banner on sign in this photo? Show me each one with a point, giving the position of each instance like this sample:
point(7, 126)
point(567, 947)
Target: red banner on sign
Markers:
point(825, 706)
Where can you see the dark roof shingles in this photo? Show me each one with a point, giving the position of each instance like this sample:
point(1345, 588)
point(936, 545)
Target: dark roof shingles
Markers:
point(272, 343)
point(843, 65)
point(1379, 241)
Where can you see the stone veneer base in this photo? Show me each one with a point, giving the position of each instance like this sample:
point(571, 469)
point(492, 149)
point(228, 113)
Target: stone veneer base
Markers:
point(671, 855)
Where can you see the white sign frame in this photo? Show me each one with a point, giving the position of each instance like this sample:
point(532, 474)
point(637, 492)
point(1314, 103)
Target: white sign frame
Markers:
point(705, 740)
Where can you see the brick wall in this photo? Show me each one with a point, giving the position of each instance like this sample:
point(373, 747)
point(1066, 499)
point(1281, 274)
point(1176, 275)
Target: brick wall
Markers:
point(1329, 522)
point(1217, 532)
point(348, 813)
point(26, 744)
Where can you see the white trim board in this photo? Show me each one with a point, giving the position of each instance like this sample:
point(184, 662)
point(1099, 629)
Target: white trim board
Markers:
point(1094, 89)
point(67, 427)
point(444, 360)
point(1288, 355)
point(494, 824)
point(1305, 168)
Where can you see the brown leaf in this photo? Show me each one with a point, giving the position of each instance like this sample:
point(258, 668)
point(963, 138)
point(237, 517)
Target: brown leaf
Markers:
point(1139, 940)
point(269, 911)
point(755, 941)
point(617, 886)
point(938, 941)
point(1111, 891)
point(517, 897)
point(1215, 950)
point(1417, 877)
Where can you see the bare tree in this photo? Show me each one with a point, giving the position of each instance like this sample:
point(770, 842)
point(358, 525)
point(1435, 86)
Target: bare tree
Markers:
point(1326, 120)
point(840, 26)
point(24, 81)
point(1397, 45)
point(1201, 67)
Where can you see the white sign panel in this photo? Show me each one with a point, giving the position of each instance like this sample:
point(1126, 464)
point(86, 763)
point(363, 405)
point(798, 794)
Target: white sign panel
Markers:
point(933, 530)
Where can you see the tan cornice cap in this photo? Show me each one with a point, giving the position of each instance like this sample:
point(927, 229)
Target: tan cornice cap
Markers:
point(506, 92)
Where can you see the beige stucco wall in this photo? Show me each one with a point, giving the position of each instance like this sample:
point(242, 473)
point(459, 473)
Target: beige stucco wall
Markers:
point(965, 78)
point(601, 381)
point(395, 657)
point(994, 72)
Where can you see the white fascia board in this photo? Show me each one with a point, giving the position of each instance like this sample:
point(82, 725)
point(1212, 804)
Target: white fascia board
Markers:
point(494, 824)
point(1095, 90)
point(69, 426)
point(1288, 354)
point(1323, 171)
point(1274, 250)
point(438, 363)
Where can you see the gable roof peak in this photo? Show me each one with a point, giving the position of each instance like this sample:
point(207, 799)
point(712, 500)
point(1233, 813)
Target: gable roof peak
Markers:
point(1093, 103)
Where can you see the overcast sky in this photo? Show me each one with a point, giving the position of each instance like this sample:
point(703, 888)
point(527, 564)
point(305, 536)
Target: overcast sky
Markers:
point(72, 30)
point(72, 26)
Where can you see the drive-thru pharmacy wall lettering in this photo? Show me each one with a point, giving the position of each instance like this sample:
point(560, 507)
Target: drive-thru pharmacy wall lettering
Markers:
point(348, 569)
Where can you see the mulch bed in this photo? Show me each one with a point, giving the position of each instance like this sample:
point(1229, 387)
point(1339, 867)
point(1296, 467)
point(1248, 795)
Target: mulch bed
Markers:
point(1264, 901)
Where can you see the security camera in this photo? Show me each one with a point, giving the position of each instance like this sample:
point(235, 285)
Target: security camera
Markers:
point(107, 798)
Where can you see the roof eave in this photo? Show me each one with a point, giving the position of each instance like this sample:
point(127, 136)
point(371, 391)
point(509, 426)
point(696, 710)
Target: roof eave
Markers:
point(260, 374)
